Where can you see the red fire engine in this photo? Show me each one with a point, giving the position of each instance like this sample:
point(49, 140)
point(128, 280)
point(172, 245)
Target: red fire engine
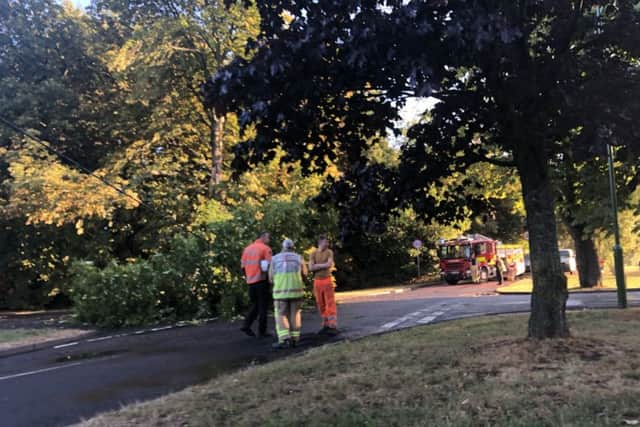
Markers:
point(456, 257)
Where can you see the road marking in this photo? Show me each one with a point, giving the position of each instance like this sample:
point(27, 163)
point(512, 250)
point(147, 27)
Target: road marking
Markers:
point(426, 320)
point(426, 315)
point(100, 339)
point(39, 371)
point(164, 328)
point(66, 345)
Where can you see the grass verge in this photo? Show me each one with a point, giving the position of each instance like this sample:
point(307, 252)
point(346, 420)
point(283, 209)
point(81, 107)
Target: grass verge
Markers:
point(464, 373)
point(15, 338)
point(524, 286)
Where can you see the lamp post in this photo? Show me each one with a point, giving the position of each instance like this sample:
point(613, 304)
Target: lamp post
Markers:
point(617, 248)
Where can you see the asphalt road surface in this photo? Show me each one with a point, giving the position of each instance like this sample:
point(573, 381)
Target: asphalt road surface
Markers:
point(62, 385)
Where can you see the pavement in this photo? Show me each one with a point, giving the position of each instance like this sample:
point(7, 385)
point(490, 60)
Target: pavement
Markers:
point(65, 383)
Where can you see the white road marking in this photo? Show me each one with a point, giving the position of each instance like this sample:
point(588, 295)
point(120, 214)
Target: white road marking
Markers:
point(100, 339)
point(161, 329)
point(39, 371)
point(426, 315)
point(426, 320)
point(66, 345)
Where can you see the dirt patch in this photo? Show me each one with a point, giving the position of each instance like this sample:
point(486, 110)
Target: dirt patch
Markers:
point(27, 329)
point(36, 320)
point(31, 338)
point(525, 352)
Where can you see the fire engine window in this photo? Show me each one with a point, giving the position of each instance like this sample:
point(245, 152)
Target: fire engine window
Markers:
point(480, 248)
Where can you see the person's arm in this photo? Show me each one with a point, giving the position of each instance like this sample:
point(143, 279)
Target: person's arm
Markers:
point(270, 273)
point(312, 262)
point(303, 267)
point(313, 267)
point(242, 270)
point(329, 262)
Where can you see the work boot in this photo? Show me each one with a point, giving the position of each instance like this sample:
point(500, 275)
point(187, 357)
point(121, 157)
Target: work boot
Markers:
point(248, 331)
point(324, 330)
point(332, 332)
point(282, 345)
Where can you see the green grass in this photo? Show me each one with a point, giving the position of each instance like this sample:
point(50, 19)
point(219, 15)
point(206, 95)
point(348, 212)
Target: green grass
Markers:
point(524, 286)
point(471, 372)
point(23, 337)
point(12, 335)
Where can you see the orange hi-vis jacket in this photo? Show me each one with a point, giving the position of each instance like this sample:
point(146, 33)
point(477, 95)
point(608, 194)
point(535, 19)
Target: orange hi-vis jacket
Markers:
point(251, 257)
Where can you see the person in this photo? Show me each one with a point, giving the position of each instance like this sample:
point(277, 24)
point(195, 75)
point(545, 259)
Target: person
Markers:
point(321, 264)
point(500, 270)
point(254, 262)
point(474, 267)
point(286, 274)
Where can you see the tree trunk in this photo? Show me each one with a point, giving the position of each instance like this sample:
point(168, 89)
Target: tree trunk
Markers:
point(549, 296)
point(217, 144)
point(586, 258)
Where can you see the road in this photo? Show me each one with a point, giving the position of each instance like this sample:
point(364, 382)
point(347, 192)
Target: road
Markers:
point(60, 386)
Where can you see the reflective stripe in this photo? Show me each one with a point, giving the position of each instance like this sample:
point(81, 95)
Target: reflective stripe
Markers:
point(286, 263)
point(250, 261)
point(287, 280)
point(286, 291)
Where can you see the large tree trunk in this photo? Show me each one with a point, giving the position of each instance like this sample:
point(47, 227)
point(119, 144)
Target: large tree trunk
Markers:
point(549, 296)
point(586, 257)
point(216, 144)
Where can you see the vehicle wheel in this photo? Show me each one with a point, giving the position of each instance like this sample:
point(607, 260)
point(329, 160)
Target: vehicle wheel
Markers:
point(452, 282)
point(484, 275)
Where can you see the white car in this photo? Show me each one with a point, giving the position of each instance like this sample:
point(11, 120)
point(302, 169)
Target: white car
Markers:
point(568, 260)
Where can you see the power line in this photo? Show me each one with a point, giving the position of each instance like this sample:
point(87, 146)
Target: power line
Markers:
point(47, 145)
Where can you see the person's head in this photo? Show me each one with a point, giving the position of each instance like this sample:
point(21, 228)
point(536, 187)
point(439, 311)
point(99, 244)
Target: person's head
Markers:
point(287, 245)
point(265, 237)
point(323, 243)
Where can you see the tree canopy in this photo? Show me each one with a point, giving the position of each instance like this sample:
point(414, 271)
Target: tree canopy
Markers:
point(514, 80)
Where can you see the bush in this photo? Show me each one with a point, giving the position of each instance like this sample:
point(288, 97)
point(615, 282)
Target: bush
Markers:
point(199, 275)
point(168, 286)
point(118, 295)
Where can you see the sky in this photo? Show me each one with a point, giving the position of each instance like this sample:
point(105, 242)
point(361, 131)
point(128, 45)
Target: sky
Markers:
point(82, 3)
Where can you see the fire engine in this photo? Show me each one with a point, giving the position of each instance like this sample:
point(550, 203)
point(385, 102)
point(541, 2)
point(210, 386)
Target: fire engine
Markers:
point(456, 256)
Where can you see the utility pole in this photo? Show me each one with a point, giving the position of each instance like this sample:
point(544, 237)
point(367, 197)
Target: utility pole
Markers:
point(617, 248)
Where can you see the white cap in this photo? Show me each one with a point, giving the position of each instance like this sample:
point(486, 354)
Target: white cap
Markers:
point(287, 244)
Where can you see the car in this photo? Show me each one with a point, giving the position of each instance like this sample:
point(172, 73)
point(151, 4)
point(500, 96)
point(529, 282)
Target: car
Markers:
point(568, 260)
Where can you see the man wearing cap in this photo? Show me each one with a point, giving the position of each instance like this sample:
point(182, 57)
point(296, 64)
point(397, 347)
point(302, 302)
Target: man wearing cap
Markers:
point(286, 273)
point(254, 262)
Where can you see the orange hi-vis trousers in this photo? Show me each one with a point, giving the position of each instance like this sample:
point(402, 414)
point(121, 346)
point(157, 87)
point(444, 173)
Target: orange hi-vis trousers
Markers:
point(326, 301)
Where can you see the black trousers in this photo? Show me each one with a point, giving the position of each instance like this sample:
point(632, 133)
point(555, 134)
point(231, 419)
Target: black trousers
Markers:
point(500, 275)
point(259, 295)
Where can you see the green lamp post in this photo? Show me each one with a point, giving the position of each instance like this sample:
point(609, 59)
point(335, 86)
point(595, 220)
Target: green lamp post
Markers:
point(617, 248)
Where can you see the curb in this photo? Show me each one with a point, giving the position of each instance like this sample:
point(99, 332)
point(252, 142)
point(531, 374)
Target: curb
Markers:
point(571, 291)
point(374, 294)
point(399, 290)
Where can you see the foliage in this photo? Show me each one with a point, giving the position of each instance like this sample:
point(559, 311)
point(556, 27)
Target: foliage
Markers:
point(376, 258)
point(183, 283)
point(508, 75)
